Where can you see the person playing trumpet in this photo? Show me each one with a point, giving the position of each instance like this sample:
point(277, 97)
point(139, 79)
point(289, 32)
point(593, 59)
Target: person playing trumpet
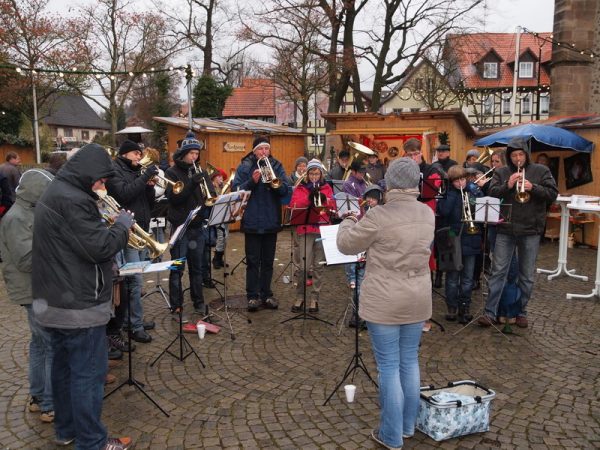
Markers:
point(316, 194)
point(522, 233)
point(191, 244)
point(261, 221)
point(133, 189)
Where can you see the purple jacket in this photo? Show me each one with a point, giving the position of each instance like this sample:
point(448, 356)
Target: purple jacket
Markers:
point(354, 186)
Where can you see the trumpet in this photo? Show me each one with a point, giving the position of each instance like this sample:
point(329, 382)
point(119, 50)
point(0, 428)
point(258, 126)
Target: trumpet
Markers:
point(209, 199)
point(138, 238)
point(521, 195)
point(163, 182)
point(467, 216)
point(317, 198)
point(267, 174)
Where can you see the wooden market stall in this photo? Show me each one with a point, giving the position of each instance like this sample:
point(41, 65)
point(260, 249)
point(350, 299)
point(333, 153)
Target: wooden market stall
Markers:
point(385, 133)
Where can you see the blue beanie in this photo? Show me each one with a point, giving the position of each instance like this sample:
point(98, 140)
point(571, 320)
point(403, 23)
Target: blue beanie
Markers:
point(188, 143)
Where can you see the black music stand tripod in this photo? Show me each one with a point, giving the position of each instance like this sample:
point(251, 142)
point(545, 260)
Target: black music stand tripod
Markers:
point(293, 266)
point(225, 211)
point(130, 381)
point(356, 362)
point(306, 216)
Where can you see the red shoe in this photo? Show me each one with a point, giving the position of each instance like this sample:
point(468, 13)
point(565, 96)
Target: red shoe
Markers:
point(522, 322)
point(309, 282)
point(122, 443)
point(485, 321)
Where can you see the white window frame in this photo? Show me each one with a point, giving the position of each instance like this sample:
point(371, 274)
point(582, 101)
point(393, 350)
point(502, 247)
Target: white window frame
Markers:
point(544, 104)
point(490, 70)
point(526, 101)
point(506, 103)
point(320, 140)
point(526, 69)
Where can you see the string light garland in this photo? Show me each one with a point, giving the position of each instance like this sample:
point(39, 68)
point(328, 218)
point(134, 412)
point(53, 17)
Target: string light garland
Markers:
point(567, 45)
point(97, 73)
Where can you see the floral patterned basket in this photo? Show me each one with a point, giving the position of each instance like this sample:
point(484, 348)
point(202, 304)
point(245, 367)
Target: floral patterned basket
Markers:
point(463, 407)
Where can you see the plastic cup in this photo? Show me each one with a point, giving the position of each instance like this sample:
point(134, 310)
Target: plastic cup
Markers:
point(201, 330)
point(286, 279)
point(350, 391)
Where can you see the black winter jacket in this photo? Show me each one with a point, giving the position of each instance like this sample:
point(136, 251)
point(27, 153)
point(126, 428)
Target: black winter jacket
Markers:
point(525, 218)
point(189, 198)
point(263, 213)
point(130, 189)
point(72, 246)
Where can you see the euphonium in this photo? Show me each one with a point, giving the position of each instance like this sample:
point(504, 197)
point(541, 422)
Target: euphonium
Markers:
point(521, 195)
point(209, 199)
point(227, 184)
point(267, 174)
point(163, 182)
point(466, 215)
point(138, 238)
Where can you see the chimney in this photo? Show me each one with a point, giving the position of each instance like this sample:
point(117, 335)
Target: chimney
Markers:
point(575, 77)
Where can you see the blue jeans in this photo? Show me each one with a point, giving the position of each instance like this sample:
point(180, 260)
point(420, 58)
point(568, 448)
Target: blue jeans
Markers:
point(527, 250)
point(40, 362)
point(134, 287)
point(396, 350)
point(191, 247)
point(459, 284)
point(78, 372)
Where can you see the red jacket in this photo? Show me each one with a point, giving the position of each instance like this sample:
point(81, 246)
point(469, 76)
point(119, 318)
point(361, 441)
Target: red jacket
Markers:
point(300, 199)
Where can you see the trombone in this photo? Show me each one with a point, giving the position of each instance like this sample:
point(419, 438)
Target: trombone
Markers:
point(163, 182)
point(467, 216)
point(267, 174)
point(521, 195)
point(209, 199)
point(138, 238)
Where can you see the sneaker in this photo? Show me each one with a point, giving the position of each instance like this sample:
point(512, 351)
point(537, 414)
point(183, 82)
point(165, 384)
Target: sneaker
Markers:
point(201, 310)
point(34, 404)
point(64, 442)
point(47, 416)
point(485, 321)
point(522, 322)
point(271, 303)
point(114, 354)
point(118, 342)
point(253, 305)
point(210, 284)
point(352, 285)
point(141, 336)
point(150, 325)
point(426, 326)
point(375, 436)
point(122, 443)
point(175, 316)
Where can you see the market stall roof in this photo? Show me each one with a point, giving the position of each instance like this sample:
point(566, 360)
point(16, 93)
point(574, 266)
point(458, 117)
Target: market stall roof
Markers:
point(229, 125)
point(133, 130)
point(540, 137)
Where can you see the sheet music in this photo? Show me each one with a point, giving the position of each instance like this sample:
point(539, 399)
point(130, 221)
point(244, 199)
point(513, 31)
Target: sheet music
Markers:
point(487, 209)
point(158, 267)
point(346, 203)
point(332, 253)
point(229, 207)
point(181, 228)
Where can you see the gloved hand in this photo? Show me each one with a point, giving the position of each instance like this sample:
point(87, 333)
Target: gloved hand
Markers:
point(125, 218)
point(198, 178)
point(150, 172)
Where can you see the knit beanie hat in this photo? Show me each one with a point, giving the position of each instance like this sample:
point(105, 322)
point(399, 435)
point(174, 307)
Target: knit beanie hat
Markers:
point(473, 152)
point(129, 146)
point(187, 144)
point(314, 164)
point(300, 160)
point(260, 141)
point(402, 173)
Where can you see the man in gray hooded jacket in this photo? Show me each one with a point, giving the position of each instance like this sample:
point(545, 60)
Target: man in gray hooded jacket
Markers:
point(16, 235)
point(520, 234)
point(72, 289)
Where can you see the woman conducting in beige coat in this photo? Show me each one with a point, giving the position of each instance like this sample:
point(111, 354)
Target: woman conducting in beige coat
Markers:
point(395, 297)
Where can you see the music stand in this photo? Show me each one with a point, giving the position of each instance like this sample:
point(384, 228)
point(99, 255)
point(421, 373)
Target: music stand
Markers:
point(310, 215)
point(487, 211)
point(130, 381)
point(229, 208)
point(291, 262)
point(155, 224)
point(242, 261)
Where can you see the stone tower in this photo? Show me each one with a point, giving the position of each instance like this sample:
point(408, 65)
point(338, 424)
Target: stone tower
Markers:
point(575, 77)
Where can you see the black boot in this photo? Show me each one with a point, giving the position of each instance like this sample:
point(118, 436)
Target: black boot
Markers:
point(437, 282)
point(464, 314)
point(451, 316)
point(217, 261)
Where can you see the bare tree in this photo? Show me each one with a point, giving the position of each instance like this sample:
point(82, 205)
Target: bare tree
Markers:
point(113, 38)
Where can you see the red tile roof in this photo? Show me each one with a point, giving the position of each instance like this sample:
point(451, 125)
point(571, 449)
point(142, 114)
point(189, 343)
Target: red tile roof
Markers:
point(255, 98)
point(469, 49)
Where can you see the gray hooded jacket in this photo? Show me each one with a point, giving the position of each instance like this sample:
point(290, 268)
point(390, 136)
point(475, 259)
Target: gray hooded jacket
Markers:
point(16, 235)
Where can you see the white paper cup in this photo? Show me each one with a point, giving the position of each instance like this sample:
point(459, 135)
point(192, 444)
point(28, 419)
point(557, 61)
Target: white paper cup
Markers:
point(350, 391)
point(201, 330)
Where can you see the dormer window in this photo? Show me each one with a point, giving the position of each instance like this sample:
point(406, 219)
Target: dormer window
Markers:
point(490, 70)
point(526, 69)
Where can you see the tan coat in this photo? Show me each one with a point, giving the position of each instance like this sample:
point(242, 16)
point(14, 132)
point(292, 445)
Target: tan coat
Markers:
point(397, 237)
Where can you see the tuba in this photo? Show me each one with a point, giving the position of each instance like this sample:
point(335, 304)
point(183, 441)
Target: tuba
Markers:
point(361, 152)
point(267, 174)
point(163, 182)
point(521, 195)
point(138, 238)
point(467, 216)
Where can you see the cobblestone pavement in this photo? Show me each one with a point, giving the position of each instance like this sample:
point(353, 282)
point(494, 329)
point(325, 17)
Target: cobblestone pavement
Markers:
point(266, 388)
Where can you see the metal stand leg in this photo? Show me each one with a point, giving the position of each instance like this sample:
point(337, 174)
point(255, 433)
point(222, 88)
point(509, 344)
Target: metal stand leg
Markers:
point(183, 342)
point(596, 291)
